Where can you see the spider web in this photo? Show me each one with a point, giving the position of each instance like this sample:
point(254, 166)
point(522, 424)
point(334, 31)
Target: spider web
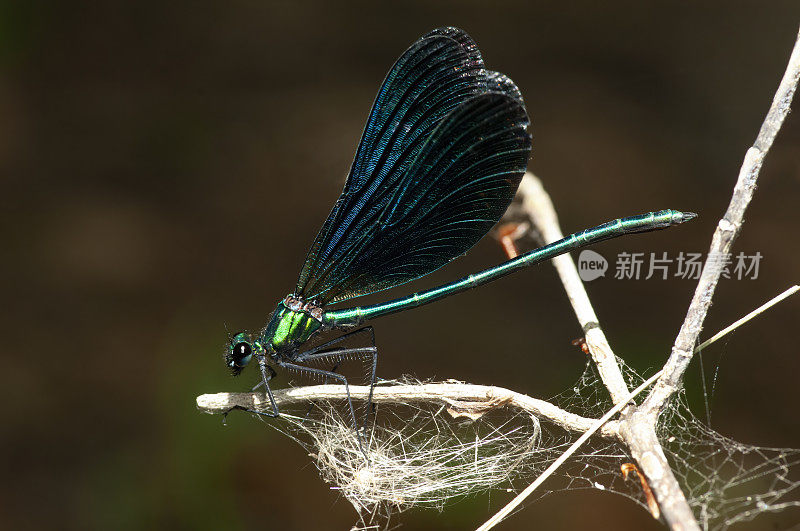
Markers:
point(421, 455)
point(724, 481)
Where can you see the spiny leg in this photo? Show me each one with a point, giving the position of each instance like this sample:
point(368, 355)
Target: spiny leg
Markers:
point(324, 381)
point(373, 373)
point(262, 363)
point(317, 350)
point(334, 341)
point(343, 380)
point(264, 379)
point(372, 351)
point(272, 375)
point(339, 355)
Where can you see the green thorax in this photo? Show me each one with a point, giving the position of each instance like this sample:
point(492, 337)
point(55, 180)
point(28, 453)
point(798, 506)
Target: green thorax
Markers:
point(293, 323)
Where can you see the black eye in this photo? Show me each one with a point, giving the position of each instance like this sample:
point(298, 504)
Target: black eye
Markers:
point(241, 354)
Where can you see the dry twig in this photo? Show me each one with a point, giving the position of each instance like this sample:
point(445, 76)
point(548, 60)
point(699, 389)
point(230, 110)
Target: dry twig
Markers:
point(459, 396)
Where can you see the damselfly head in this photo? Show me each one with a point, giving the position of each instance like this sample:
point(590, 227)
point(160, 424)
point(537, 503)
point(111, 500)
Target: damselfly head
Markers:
point(239, 352)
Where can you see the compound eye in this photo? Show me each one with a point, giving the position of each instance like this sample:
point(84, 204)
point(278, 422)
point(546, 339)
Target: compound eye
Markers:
point(241, 353)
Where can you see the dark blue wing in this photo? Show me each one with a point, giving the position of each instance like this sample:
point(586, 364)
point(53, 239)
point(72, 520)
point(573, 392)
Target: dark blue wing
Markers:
point(439, 161)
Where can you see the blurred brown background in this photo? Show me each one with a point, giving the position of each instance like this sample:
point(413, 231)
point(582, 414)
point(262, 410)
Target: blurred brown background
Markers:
point(164, 167)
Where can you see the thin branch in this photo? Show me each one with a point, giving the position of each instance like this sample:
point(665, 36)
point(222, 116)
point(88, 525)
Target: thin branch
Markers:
point(539, 208)
point(462, 398)
point(755, 313)
point(722, 241)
